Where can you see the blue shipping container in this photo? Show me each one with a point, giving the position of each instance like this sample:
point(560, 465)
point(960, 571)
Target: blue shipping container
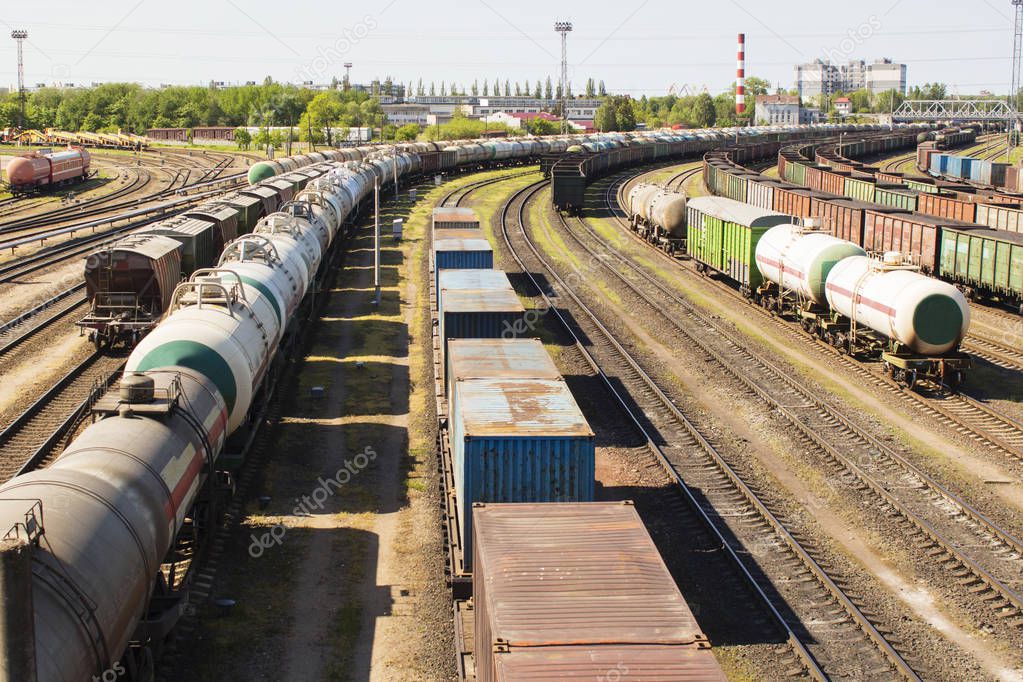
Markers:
point(497, 359)
point(978, 169)
point(967, 166)
point(936, 162)
point(461, 253)
point(480, 314)
point(955, 167)
point(518, 440)
point(472, 279)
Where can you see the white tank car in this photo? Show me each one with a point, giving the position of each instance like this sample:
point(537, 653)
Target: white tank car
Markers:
point(639, 199)
point(798, 260)
point(112, 505)
point(326, 203)
point(659, 207)
point(213, 329)
point(298, 242)
point(926, 315)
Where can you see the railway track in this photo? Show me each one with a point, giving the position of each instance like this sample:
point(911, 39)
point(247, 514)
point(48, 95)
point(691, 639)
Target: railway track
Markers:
point(806, 603)
point(983, 424)
point(34, 438)
point(68, 303)
point(963, 537)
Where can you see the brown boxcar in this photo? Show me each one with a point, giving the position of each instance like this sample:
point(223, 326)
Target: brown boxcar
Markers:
point(914, 235)
point(792, 201)
point(843, 217)
point(834, 182)
point(560, 588)
point(945, 206)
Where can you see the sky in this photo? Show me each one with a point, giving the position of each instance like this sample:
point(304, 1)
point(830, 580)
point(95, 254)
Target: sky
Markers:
point(649, 47)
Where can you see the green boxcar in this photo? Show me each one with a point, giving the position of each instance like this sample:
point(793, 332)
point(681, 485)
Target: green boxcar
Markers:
point(896, 198)
point(735, 187)
point(861, 190)
point(921, 186)
point(985, 259)
point(723, 235)
point(795, 172)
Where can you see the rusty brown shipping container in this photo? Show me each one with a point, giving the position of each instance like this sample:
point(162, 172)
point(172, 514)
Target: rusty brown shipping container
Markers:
point(560, 589)
point(944, 206)
point(834, 182)
point(457, 217)
point(911, 234)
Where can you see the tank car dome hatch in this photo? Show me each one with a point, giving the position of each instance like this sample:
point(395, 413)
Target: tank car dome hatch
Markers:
point(260, 172)
point(137, 388)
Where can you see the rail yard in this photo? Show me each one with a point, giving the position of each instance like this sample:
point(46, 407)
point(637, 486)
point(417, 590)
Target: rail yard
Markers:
point(409, 387)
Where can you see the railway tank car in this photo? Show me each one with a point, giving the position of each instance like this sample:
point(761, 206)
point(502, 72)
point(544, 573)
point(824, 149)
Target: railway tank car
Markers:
point(40, 171)
point(795, 261)
point(117, 498)
point(658, 214)
point(918, 314)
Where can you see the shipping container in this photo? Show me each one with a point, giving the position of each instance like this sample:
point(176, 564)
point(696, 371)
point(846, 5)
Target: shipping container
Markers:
point(999, 216)
point(945, 206)
point(988, 260)
point(561, 590)
point(455, 217)
point(480, 314)
point(517, 440)
point(497, 359)
point(461, 252)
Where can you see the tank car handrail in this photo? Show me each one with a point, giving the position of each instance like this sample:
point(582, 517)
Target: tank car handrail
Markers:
point(219, 272)
point(265, 249)
point(229, 298)
point(279, 223)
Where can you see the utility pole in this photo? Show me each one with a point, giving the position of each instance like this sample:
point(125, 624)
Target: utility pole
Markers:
point(376, 240)
point(564, 28)
point(348, 75)
point(20, 36)
point(1017, 66)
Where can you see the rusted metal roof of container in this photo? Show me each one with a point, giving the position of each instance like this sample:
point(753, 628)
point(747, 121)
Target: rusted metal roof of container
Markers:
point(458, 233)
point(577, 573)
point(473, 279)
point(664, 663)
point(452, 214)
point(519, 407)
point(500, 358)
point(462, 244)
point(481, 301)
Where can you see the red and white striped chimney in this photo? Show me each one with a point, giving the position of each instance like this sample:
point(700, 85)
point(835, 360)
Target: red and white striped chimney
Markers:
point(740, 78)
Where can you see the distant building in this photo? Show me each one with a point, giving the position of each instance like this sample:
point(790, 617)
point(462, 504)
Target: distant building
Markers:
point(822, 77)
point(520, 118)
point(483, 107)
point(777, 110)
point(402, 114)
point(843, 106)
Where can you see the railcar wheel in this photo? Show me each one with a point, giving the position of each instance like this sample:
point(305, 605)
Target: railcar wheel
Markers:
point(910, 378)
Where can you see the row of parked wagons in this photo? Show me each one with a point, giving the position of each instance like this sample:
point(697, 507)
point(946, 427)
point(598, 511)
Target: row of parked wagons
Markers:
point(985, 262)
point(548, 581)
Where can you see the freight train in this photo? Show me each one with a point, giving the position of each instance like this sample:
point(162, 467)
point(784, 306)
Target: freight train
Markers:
point(984, 261)
point(869, 307)
point(115, 528)
point(38, 171)
point(573, 172)
point(658, 214)
point(519, 470)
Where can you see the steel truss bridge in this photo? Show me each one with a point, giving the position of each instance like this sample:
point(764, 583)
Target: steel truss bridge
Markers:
point(961, 110)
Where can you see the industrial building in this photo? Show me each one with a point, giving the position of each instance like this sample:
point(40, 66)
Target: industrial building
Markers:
point(822, 77)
